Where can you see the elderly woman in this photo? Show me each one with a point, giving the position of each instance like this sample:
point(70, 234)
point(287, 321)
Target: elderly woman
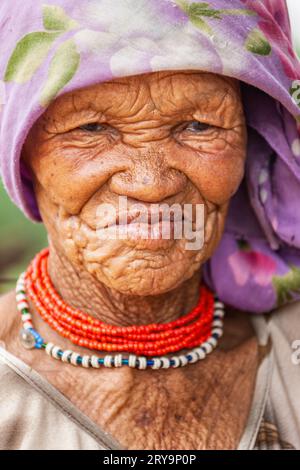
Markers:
point(114, 342)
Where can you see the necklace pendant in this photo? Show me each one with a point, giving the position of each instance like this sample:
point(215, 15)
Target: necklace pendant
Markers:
point(27, 339)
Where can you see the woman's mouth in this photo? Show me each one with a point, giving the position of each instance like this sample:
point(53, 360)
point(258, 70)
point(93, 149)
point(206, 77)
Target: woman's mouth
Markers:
point(149, 228)
point(154, 232)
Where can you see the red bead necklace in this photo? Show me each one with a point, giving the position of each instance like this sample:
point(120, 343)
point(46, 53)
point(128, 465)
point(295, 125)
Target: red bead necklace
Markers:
point(82, 329)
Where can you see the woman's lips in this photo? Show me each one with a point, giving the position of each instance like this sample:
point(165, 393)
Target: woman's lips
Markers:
point(144, 229)
point(148, 217)
point(162, 230)
point(141, 235)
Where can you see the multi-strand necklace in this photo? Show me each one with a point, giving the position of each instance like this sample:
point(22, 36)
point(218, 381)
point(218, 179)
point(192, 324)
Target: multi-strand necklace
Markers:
point(144, 345)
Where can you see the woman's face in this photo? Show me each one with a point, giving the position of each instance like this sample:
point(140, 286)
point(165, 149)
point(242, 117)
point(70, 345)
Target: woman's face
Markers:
point(159, 138)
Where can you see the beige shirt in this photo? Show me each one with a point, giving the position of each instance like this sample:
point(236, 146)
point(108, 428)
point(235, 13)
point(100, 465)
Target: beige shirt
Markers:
point(35, 415)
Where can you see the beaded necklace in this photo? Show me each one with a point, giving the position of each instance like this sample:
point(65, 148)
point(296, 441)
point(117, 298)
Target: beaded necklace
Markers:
point(147, 345)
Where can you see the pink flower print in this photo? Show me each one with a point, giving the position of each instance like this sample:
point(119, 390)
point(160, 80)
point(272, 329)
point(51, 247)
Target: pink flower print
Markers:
point(251, 264)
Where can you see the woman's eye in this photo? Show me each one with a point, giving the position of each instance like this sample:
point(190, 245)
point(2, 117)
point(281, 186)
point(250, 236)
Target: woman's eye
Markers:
point(92, 127)
point(196, 126)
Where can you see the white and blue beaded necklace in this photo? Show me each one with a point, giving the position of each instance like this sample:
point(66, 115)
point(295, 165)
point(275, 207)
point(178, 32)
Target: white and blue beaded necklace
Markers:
point(31, 339)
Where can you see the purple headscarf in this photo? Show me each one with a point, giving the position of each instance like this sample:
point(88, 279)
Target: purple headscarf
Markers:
point(49, 48)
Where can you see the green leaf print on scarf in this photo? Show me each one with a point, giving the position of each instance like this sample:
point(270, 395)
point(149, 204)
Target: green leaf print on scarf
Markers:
point(32, 50)
point(287, 285)
point(196, 12)
point(62, 69)
point(257, 43)
point(28, 55)
point(295, 93)
point(55, 19)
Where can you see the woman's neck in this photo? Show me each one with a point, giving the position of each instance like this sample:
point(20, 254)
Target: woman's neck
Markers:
point(206, 403)
point(80, 289)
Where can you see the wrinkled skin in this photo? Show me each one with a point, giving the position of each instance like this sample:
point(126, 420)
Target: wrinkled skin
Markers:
point(149, 147)
point(148, 151)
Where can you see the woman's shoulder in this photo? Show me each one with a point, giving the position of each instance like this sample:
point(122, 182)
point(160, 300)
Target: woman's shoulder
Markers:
point(284, 329)
point(11, 401)
point(286, 319)
point(284, 400)
point(30, 418)
point(8, 314)
point(14, 391)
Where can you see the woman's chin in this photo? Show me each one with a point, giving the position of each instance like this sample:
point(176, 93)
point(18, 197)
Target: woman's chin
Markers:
point(144, 282)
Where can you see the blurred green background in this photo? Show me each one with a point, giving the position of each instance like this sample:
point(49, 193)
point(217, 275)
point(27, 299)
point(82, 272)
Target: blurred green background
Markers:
point(21, 239)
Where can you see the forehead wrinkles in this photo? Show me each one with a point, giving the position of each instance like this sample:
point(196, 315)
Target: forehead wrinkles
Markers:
point(153, 96)
point(186, 91)
point(162, 95)
point(132, 101)
point(115, 100)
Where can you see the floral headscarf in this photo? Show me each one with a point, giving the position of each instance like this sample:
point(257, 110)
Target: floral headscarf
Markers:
point(49, 48)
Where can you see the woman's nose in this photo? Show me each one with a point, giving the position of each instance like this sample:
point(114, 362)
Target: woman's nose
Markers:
point(149, 181)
